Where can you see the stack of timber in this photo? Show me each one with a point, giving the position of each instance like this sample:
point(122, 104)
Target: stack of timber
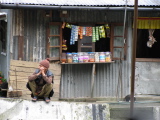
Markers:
point(19, 72)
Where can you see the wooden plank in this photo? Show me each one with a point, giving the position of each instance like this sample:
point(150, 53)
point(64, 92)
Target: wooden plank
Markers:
point(147, 60)
point(57, 77)
point(25, 78)
point(56, 81)
point(20, 85)
point(56, 73)
point(19, 81)
point(56, 87)
point(56, 67)
point(18, 78)
point(14, 93)
point(31, 70)
point(92, 80)
point(20, 47)
point(12, 83)
point(56, 95)
point(32, 65)
point(25, 74)
point(24, 69)
point(28, 92)
point(13, 77)
point(24, 63)
point(15, 47)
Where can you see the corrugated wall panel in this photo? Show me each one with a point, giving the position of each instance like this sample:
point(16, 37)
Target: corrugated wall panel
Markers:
point(148, 14)
point(31, 24)
point(76, 80)
point(93, 16)
point(18, 23)
point(15, 48)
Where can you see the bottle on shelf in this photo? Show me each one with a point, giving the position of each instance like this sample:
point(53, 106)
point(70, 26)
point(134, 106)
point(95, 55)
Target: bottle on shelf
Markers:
point(102, 57)
point(63, 58)
point(91, 57)
point(85, 57)
point(96, 55)
point(69, 58)
point(108, 57)
point(80, 57)
point(75, 57)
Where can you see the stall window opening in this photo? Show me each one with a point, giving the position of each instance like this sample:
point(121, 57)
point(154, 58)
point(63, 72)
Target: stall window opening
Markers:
point(61, 38)
point(144, 50)
point(86, 43)
point(148, 39)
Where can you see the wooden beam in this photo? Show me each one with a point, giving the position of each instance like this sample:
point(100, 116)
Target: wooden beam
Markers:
point(134, 42)
point(20, 47)
point(92, 79)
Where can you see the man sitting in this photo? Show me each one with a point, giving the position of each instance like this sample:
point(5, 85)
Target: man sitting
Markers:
point(40, 83)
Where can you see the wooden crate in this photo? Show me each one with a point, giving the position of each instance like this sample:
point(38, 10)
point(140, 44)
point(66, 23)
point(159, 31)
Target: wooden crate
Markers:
point(17, 93)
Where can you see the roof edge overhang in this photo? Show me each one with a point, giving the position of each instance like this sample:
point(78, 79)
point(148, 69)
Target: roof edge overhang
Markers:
point(16, 6)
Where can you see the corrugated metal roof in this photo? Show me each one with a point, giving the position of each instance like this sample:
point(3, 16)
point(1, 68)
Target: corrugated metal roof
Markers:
point(83, 2)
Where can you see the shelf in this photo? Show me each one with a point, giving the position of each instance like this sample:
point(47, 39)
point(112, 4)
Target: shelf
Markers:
point(88, 63)
point(86, 46)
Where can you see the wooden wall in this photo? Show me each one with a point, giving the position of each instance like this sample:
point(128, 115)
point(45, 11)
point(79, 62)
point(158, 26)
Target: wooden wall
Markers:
point(20, 70)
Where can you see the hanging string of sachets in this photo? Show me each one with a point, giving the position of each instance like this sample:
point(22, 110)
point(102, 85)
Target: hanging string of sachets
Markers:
point(80, 32)
point(96, 32)
point(74, 34)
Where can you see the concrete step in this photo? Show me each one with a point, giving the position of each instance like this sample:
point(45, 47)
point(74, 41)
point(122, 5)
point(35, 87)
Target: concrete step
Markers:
point(142, 110)
point(147, 97)
point(139, 113)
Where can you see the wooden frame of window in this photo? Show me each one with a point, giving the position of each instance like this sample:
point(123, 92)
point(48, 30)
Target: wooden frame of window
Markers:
point(120, 38)
point(147, 60)
point(54, 40)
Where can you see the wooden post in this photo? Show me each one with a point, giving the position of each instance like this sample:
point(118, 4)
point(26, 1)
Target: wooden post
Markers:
point(134, 43)
point(92, 80)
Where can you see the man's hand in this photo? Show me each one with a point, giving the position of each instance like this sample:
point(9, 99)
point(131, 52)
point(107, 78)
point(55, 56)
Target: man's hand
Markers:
point(40, 72)
point(43, 69)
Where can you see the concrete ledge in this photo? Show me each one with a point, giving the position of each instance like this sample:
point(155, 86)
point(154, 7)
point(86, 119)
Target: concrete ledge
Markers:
point(87, 99)
point(112, 99)
point(18, 109)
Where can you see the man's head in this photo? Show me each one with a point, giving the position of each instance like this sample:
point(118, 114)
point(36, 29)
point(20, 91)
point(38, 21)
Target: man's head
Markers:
point(45, 63)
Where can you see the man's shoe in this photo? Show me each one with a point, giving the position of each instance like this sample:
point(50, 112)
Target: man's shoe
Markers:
point(34, 99)
point(47, 99)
